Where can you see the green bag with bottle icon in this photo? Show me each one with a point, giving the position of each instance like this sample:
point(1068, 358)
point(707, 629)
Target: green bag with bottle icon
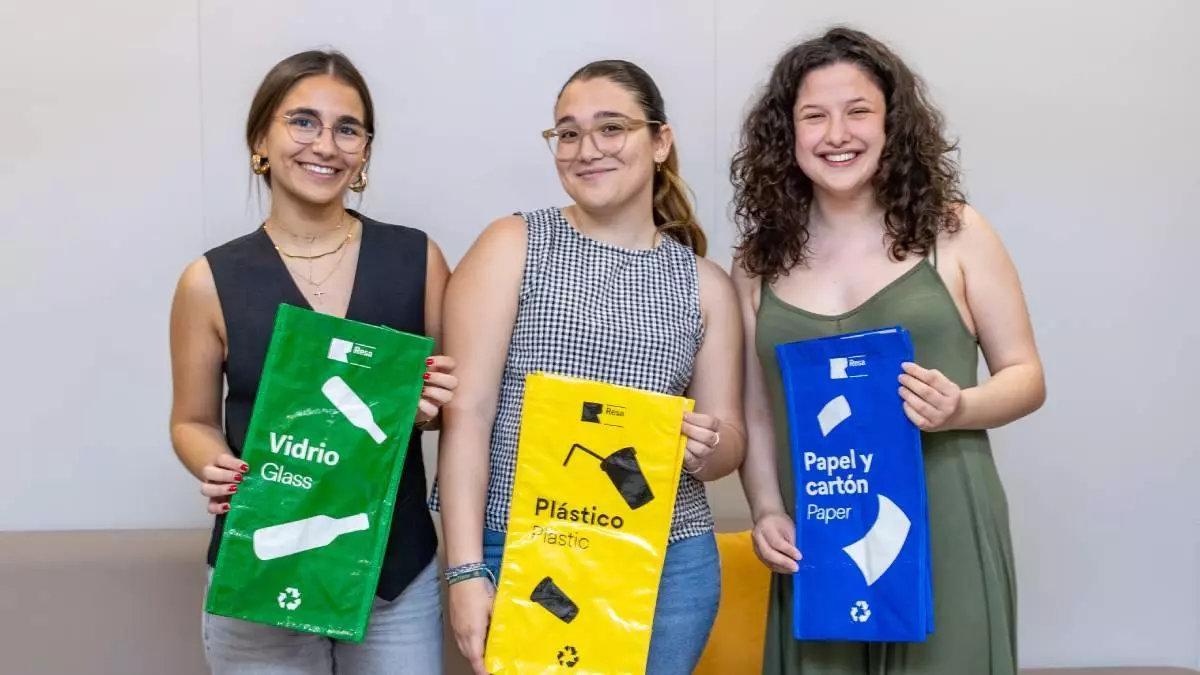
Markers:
point(307, 528)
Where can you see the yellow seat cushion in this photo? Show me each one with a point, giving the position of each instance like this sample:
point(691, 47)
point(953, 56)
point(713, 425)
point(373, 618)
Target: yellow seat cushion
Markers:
point(736, 642)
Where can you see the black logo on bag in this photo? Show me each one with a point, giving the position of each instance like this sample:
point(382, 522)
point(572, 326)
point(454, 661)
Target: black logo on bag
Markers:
point(600, 413)
point(592, 412)
point(568, 656)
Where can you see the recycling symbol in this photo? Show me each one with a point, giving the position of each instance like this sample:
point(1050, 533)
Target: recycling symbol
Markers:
point(289, 599)
point(860, 612)
point(568, 656)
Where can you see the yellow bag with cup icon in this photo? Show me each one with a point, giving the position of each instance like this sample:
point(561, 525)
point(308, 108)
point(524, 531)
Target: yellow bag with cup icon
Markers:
point(597, 472)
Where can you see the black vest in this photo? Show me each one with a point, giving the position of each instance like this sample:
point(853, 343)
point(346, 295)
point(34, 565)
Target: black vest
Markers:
point(389, 290)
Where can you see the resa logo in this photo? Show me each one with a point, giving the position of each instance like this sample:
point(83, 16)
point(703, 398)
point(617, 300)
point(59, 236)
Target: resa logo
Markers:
point(350, 353)
point(839, 367)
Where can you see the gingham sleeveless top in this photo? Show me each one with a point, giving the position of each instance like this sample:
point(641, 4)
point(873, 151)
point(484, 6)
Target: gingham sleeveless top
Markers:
point(594, 310)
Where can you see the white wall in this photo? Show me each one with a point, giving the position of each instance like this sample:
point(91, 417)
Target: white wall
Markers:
point(100, 202)
point(123, 160)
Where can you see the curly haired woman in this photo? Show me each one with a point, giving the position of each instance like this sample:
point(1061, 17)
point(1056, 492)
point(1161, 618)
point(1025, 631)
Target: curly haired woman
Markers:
point(850, 218)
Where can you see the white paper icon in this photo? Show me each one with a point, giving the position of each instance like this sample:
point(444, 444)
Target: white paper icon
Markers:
point(834, 413)
point(878, 549)
point(349, 404)
point(277, 541)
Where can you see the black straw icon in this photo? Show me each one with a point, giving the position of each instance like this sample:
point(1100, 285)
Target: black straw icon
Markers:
point(549, 595)
point(624, 472)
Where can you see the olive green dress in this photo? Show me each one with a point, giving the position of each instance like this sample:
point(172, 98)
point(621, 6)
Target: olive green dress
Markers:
point(974, 584)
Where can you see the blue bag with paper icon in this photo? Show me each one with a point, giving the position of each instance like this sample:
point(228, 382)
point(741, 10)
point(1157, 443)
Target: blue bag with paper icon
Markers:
point(861, 515)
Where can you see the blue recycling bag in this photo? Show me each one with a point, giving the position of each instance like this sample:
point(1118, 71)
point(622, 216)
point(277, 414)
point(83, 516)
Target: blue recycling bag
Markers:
point(861, 517)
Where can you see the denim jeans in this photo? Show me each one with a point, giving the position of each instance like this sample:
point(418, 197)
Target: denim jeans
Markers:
point(688, 595)
point(403, 636)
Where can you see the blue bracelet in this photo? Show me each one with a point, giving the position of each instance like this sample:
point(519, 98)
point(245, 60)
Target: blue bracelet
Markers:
point(473, 574)
point(474, 570)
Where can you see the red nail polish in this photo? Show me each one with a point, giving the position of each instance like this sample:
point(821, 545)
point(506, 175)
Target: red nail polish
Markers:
point(245, 468)
point(429, 362)
point(233, 488)
point(225, 509)
point(427, 376)
point(237, 477)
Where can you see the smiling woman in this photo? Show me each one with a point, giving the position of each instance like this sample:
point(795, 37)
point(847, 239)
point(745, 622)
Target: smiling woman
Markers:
point(611, 288)
point(314, 253)
point(839, 104)
point(851, 219)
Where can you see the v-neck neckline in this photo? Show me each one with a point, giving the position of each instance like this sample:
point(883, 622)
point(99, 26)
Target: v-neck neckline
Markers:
point(861, 306)
point(299, 298)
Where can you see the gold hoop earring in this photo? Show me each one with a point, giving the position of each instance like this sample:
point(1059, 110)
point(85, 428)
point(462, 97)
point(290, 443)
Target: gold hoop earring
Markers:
point(360, 183)
point(259, 164)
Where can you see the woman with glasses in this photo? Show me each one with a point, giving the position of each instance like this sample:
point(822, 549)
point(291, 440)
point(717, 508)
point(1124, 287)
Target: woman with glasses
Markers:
point(612, 288)
point(309, 135)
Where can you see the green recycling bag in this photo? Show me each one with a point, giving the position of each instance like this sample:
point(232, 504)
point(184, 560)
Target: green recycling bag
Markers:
point(306, 531)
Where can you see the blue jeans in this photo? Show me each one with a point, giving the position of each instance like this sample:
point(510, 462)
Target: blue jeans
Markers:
point(687, 600)
point(403, 636)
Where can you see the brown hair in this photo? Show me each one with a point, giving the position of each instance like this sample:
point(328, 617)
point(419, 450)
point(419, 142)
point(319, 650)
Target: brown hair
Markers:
point(280, 80)
point(917, 183)
point(673, 212)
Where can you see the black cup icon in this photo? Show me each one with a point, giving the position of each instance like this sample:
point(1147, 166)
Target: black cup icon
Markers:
point(624, 472)
point(554, 600)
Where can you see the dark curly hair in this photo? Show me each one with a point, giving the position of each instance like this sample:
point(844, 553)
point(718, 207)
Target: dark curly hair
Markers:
point(917, 183)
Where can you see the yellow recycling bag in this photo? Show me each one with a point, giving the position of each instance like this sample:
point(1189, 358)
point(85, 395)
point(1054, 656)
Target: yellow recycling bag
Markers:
point(597, 472)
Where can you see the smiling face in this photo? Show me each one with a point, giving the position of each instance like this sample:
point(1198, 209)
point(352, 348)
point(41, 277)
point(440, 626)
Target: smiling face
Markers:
point(317, 172)
point(839, 117)
point(604, 163)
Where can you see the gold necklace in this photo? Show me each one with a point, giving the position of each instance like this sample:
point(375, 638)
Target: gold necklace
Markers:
point(339, 247)
point(318, 293)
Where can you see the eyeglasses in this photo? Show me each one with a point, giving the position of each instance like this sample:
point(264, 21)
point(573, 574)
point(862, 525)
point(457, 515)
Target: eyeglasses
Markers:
point(349, 137)
point(608, 136)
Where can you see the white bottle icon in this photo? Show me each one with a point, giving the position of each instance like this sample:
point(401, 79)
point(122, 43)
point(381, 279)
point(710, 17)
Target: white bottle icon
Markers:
point(277, 541)
point(349, 404)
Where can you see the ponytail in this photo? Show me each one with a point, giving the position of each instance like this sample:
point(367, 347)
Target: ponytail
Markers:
point(673, 213)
